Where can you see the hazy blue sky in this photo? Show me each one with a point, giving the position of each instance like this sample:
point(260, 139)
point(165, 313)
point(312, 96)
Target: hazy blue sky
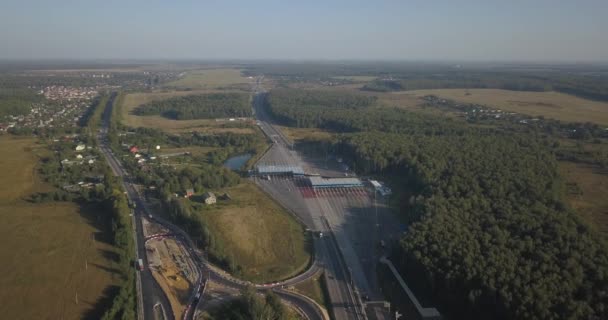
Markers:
point(558, 30)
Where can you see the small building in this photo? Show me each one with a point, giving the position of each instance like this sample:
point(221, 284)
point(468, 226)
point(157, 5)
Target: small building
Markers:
point(134, 149)
point(209, 198)
point(189, 193)
point(320, 182)
point(78, 156)
point(280, 170)
point(80, 147)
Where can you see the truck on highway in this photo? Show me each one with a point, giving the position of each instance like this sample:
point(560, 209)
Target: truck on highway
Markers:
point(140, 264)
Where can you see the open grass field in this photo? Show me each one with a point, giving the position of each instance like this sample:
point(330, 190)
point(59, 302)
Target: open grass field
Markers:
point(50, 252)
point(548, 104)
point(265, 241)
point(588, 187)
point(209, 79)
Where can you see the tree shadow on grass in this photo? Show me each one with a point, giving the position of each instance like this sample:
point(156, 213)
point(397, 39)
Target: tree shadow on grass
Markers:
point(97, 216)
point(113, 271)
point(110, 255)
point(103, 303)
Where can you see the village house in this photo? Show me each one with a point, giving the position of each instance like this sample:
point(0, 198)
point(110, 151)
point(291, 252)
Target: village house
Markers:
point(189, 193)
point(209, 198)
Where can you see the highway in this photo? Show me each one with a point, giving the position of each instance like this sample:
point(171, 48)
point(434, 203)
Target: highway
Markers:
point(150, 297)
point(152, 302)
point(346, 304)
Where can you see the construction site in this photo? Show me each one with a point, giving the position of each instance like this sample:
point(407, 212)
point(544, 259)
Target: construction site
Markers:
point(171, 265)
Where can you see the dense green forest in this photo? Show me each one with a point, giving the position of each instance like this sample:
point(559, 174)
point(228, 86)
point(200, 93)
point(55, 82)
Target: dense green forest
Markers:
point(252, 307)
point(17, 101)
point(213, 105)
point(353, 113)
point(489, 234)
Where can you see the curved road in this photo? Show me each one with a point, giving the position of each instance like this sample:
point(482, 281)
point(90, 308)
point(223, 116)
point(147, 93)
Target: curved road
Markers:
point(149, 294)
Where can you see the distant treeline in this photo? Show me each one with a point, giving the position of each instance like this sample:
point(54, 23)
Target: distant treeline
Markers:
point(210, 106)
point(315, 108)
point(70, 79)
point(490, 236)
point(17, 101)
point(354, 113)
point(590, 87)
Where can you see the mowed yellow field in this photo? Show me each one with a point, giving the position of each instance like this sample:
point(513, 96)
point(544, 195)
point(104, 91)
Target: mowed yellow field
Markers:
point(210, 79)
point(53, 254)
point(591, 202)
point(553, 105)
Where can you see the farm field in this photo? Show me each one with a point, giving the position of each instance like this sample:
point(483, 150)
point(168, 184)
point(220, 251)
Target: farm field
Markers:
point(209, 79)
point(57, 260)
point(265, 240)
point(133, 100)
point(589, 197)
point(548, 104)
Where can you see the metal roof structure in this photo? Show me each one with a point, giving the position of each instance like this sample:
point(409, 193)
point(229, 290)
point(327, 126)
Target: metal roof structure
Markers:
point(319, 182)
point(376, 184)
point(280, 169)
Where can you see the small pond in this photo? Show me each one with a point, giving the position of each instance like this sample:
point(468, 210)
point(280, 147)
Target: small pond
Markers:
point(237, 162)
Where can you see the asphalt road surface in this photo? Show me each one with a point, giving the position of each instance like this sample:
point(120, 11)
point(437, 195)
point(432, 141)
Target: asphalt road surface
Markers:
point(149, 294)
point(151, 299)
point(345, 277)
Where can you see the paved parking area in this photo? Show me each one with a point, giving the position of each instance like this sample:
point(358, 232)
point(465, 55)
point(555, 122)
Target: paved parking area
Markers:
point(358, 219)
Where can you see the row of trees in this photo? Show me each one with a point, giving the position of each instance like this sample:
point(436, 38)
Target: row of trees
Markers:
point(201, 106)
point(490, 237)
point(123, 304)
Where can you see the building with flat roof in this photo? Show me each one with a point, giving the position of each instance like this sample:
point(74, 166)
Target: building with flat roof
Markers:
point(375, 184)
point(280, 169)
point(320, 182)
